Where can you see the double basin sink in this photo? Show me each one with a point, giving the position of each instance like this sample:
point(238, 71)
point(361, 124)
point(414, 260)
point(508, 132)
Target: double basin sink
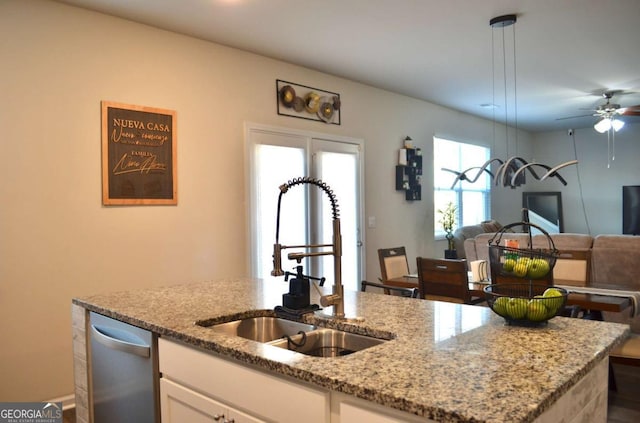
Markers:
point(296, 336)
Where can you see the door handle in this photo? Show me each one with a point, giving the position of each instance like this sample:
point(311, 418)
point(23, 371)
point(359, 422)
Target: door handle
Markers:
point(121, 340)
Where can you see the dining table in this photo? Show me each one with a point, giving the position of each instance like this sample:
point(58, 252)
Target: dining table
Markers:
point(592, 304)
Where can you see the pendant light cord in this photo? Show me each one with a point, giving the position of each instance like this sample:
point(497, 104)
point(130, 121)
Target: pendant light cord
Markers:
point(584, 208)
point(506, 108)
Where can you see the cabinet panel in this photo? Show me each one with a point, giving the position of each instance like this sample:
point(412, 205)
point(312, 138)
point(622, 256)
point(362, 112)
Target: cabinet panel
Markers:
point(242, 387)
point(180, 404)
point(348, 409)
point(177, 405)
point(351, 413)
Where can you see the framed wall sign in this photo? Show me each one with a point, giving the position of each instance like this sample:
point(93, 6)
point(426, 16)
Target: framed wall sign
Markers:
point(138, 155)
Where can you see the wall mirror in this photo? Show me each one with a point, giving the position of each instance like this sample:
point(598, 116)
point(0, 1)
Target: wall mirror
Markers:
point(545, 210)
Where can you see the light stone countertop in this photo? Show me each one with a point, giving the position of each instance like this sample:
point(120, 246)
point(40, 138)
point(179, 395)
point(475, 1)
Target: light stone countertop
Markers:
point(448, 362)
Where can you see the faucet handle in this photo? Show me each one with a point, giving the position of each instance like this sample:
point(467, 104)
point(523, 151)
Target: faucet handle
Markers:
point(277, 260)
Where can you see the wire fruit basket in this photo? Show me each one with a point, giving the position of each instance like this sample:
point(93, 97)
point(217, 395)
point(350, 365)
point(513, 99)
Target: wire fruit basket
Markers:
point(519, 262)
point(526, 304)
point(522, 291)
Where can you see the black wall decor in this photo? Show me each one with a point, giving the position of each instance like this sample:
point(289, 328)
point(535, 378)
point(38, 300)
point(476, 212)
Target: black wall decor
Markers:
point(409, 173)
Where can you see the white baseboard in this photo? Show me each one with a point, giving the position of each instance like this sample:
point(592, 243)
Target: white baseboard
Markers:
point(68, 401)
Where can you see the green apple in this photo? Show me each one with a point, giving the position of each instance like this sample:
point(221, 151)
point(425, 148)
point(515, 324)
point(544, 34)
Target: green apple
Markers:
point(500, 306)
point(536, 310)
point(538, 268)
point(553, 299)
point(520, 269)
point(517, 308)
point(508, 265)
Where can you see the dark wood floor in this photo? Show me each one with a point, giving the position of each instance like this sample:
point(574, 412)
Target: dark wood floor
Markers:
point(624, 405)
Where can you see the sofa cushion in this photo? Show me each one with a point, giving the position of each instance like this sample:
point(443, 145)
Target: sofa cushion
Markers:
point(463, 233)
point(491, 226)
point(614, 259)
point(564, 241)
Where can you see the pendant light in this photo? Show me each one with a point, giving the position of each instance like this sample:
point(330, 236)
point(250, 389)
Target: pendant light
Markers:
point(510, 172)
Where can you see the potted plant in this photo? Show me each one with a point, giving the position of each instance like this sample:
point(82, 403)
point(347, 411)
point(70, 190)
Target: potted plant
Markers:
point(448, 220)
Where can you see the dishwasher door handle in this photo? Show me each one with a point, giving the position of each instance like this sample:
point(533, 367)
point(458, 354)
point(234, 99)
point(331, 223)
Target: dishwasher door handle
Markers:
point(121, 340)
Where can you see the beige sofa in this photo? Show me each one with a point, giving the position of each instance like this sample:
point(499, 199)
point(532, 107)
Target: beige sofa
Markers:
point(470, 232)
point(614, 260)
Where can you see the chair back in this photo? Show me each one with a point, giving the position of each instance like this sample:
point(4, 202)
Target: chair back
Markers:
point(443, 280)
point(573, 267)
point(393, 263)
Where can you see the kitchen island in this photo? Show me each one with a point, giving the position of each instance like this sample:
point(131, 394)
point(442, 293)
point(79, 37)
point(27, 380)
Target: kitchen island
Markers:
point(444, 362)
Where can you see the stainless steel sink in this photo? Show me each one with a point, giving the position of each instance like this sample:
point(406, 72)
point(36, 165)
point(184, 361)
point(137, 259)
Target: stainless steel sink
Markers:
point(324, 342)
point(260, 329)
point(295, 336)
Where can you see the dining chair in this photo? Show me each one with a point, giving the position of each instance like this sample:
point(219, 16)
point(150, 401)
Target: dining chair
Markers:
point(405, 292)
point(393, 263)
point(444, 280)
point(573, 267)
point(628, 353)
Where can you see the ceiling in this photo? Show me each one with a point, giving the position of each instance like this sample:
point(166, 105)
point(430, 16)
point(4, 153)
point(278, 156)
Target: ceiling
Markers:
point(567, 52)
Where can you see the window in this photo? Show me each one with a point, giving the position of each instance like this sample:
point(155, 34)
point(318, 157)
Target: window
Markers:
point(472, 199)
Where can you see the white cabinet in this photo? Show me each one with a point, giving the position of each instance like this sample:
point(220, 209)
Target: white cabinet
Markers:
point(198, 385)
point(180, 404)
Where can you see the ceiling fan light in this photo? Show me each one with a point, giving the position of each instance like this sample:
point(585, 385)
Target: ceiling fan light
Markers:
point(603, 125)
point(617, 124)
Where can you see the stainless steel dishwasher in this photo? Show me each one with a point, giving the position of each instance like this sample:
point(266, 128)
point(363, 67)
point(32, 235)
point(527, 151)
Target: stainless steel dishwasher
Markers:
point(124, 372)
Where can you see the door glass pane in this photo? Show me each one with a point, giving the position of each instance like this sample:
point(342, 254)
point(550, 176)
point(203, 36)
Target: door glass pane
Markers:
point(339, 171)
point(275, 165)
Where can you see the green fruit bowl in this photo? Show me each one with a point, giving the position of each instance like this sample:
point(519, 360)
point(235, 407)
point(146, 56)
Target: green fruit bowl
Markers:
point(526, 304)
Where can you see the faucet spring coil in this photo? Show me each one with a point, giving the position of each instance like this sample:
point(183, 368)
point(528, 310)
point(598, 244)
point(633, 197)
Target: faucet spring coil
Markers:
point(320, 184)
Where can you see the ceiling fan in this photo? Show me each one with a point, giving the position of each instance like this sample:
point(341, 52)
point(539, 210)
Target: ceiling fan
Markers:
point(608, 121)
point(607, 113)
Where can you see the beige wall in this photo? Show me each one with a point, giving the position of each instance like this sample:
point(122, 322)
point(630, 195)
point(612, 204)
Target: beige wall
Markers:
point(57, 241)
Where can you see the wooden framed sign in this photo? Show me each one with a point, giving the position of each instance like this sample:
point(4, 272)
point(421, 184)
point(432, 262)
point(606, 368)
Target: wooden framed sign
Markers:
point(138, 155)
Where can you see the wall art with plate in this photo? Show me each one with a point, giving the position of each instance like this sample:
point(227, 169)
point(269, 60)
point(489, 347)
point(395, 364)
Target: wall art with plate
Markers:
point(306, 102)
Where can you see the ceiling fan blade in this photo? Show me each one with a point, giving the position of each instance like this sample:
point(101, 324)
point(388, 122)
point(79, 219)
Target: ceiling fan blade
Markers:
point(630, 111)
point(574, 117)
